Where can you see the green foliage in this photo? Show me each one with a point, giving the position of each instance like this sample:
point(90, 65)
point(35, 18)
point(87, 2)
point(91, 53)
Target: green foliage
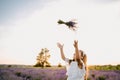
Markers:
point(59, 65)
point(9, 65)
point(101, 78)
point(104, 67)
point(48, 65)
point(38, 79)
point(88, 78)
point(18, 74)
point(61, 22)
point(38, 65)
point(42, 58)
point(118, 67)
point(93, 75)
point(28, 77)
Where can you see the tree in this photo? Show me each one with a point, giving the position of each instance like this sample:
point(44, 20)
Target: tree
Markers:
point(42, 58)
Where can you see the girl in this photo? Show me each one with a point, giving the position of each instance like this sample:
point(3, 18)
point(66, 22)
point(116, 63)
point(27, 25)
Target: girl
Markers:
point(76, 69)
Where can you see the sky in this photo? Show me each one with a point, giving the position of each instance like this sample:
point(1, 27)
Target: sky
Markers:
point(27, 26)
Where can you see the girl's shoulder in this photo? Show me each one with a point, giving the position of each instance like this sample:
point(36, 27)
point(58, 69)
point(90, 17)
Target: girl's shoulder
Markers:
point(69, 60)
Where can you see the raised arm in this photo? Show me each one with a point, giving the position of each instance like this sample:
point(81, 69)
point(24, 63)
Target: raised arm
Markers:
point(78, 56)
point(60, 46)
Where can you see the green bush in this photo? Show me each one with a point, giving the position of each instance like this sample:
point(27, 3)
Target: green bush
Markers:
point(9, 65)
point(18, 74)
point(59, 65)
point(101, 78)
point(93, 75)
point(48, 66)
point(28, 77)
point(118, 67)
point(38, 65)
point(88, 78)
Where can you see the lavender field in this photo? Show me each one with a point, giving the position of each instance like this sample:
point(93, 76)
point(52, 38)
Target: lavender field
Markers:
point(51, 73)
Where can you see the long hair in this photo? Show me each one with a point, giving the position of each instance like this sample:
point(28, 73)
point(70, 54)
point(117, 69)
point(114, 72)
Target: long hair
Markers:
point(79, 62)
point(84, 59)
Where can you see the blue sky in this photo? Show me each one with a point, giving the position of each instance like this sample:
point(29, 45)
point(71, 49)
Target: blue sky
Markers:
point(26, 26)
point(10, 9)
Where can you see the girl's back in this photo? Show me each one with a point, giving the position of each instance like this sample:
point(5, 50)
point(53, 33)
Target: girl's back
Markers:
point(74, 72)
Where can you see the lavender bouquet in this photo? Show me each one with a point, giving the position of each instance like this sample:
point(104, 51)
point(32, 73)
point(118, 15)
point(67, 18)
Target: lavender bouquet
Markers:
point(70, 24)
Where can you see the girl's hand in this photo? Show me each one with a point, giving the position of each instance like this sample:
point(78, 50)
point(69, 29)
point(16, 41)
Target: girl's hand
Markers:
point(60, 45)
point(75, 43)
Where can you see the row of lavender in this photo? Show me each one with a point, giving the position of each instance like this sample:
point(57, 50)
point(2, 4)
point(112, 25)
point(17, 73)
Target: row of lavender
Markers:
point(52, 73)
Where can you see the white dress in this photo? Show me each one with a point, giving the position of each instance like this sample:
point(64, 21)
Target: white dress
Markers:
point(74, 72)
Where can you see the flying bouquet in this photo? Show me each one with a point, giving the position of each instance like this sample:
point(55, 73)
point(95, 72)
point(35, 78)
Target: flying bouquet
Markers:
point(70, 24)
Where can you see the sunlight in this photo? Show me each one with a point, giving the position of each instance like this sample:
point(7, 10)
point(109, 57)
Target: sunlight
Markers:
point(97, 24)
